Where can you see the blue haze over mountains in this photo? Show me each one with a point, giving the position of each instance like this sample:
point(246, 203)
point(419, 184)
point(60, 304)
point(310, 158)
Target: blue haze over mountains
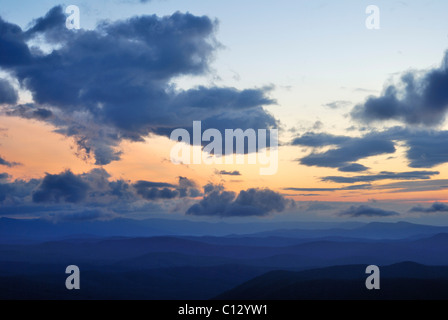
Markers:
point(159, 259)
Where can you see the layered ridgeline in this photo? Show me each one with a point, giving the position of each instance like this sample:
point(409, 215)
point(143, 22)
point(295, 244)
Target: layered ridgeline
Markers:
point(161, 259)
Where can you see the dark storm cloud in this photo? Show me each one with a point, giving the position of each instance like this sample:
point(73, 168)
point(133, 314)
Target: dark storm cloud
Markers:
point(160, 190)
point(15, 51)
point(366, 211)
point(435, 207)
point(214, 203)
point(384, 175)
point(64, 187)
point(116, 82)
point(49, 25)
point(93, 195)
point(88, 196)
point(417, 98)
point(251, 202)
point(8, 94)
point(91, 188)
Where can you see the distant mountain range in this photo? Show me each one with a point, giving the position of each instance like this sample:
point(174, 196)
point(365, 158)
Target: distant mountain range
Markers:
point(296, 263)
point(23, 230)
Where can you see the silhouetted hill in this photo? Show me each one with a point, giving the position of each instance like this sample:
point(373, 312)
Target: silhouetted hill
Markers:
point(185, 283)
point(406, 280)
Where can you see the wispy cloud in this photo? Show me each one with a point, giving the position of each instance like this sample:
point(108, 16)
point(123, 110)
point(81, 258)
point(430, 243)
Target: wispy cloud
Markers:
point(229, 173)
point(414, 186)
point(384, 175)
point(366, 211)
point(353, 187)
point(338, 104)
point(4, 162)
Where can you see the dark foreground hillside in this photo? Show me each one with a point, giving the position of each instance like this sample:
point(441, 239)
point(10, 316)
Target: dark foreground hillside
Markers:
point(406, 280)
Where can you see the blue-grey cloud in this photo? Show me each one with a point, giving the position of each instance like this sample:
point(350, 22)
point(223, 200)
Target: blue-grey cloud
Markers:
point(161, 190)
point(4, 162)
point(94, 188)
point(366, 211)
point(347, 188)
point(30, 111)
point(348, 151)
point(251, 202)
point(416, 99)
point(116, 82)
point(337, 104)
point(435, 207)
point(425, 148)
point(229, 173)
point(414, 186)
point(353, 167)
point(49, 26)
point(4, 176)
point(64, 187)
point(312, 139)
point(384, 175)
point(8, 95)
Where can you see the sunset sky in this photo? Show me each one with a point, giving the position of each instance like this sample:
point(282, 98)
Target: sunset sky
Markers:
point(86, 114)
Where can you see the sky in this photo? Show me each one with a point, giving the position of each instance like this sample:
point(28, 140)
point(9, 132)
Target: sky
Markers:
point(86, 114)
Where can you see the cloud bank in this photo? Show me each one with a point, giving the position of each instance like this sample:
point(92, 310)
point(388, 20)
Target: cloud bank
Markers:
point(116, 82)
point(251, 202)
